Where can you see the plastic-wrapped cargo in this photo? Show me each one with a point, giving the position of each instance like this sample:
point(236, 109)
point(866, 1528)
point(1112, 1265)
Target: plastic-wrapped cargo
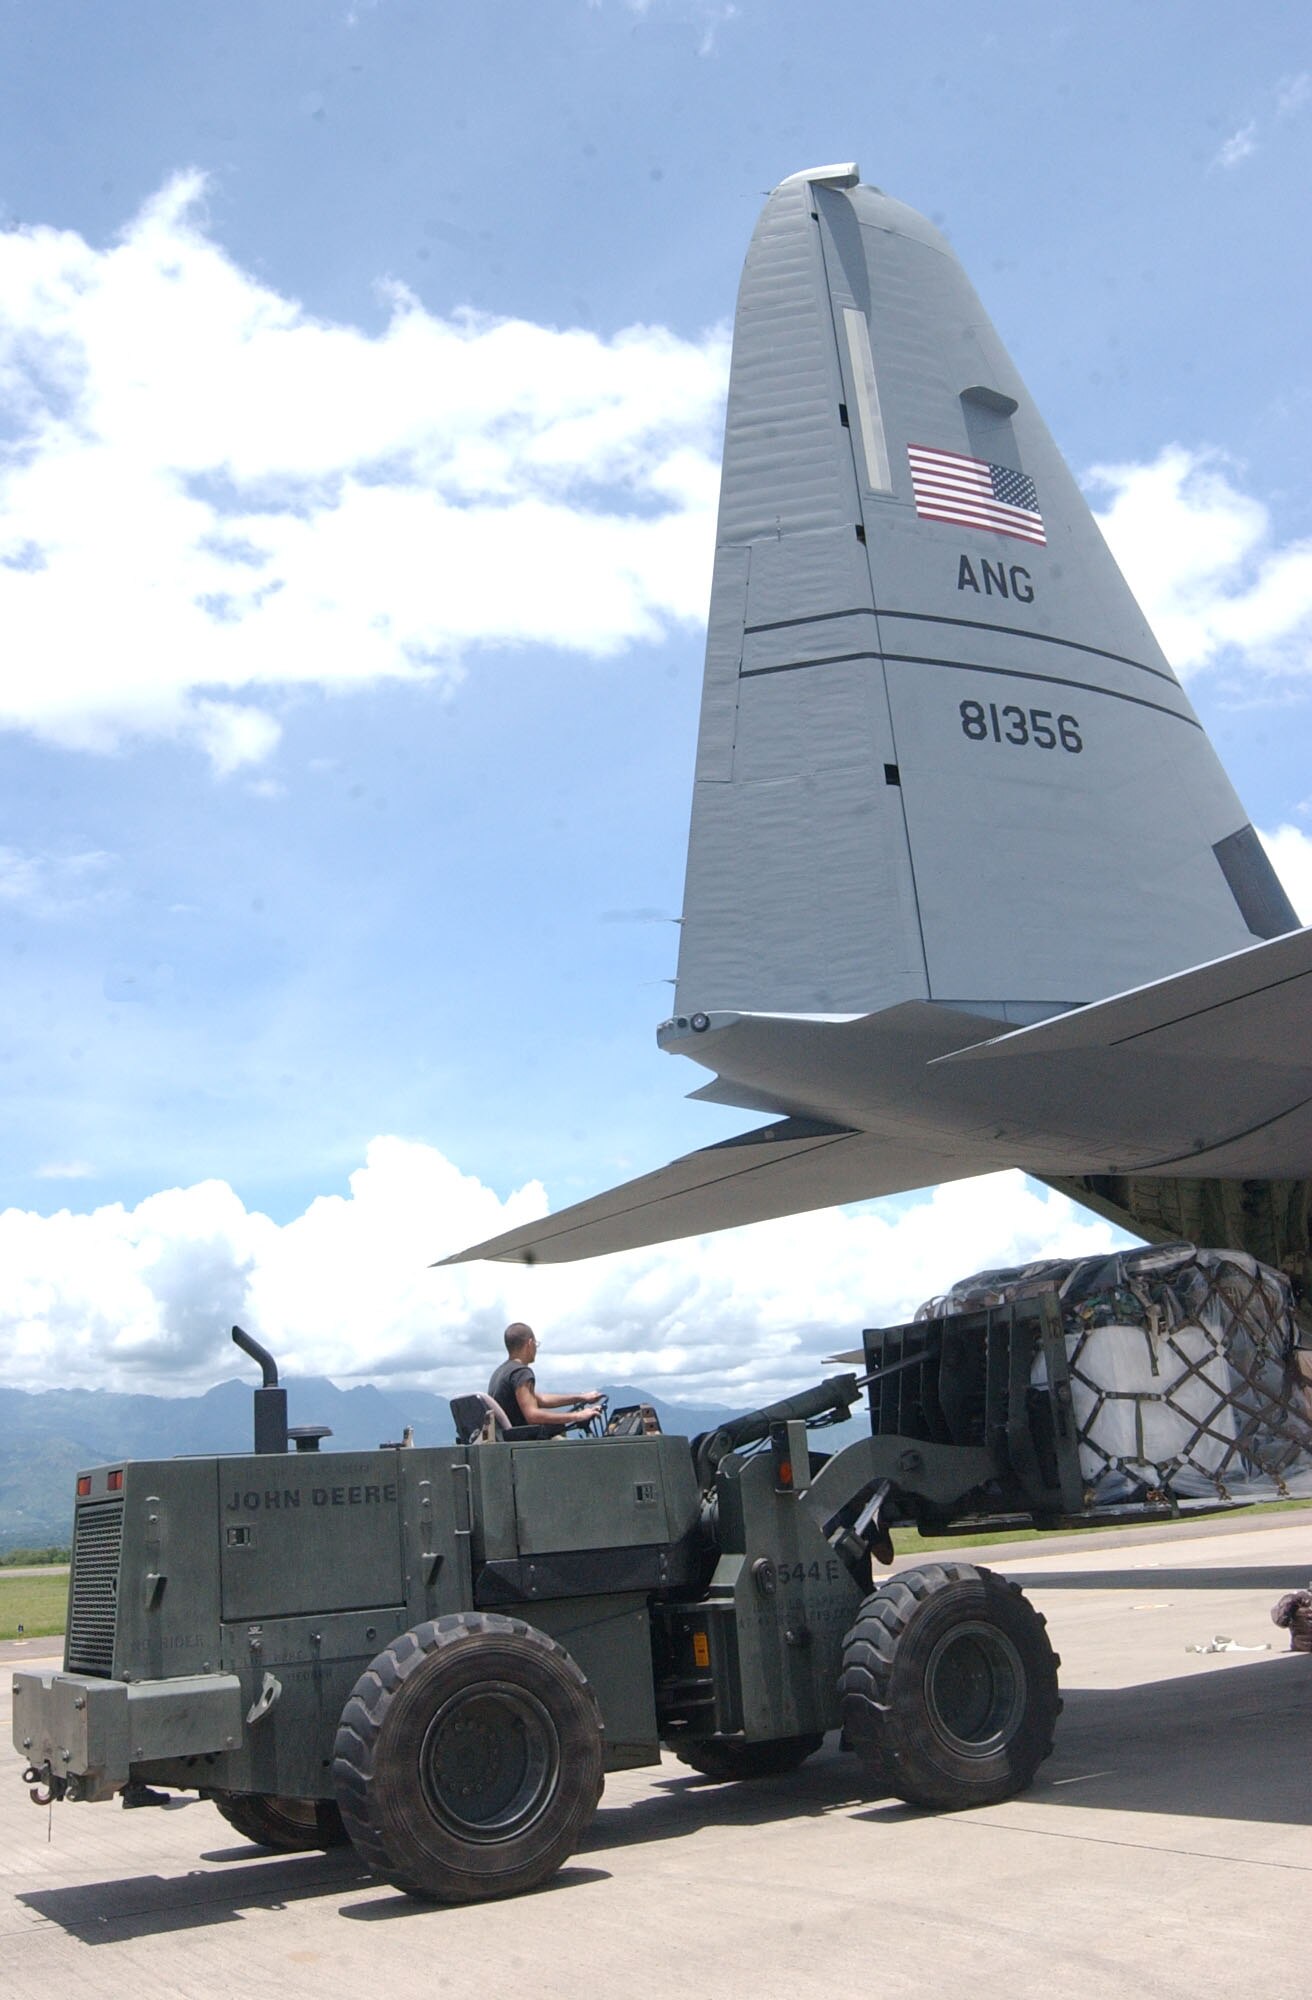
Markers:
point(1187, 1375)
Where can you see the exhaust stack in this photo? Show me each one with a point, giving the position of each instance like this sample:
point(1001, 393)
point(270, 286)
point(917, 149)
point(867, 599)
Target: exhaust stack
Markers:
point(270, 1400)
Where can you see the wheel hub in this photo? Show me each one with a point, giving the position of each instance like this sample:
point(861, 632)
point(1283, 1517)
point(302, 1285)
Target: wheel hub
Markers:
point(975, 1689)
point(489, 1762)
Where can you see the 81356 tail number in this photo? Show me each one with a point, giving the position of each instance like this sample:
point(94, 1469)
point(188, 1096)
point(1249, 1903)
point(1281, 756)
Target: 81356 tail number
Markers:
point(983, 723)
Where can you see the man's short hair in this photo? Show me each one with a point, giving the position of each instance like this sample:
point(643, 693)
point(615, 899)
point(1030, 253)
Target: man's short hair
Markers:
point(517, 1336)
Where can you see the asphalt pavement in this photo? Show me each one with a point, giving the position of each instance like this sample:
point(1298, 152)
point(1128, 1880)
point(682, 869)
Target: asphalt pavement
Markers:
point(1165, 1851)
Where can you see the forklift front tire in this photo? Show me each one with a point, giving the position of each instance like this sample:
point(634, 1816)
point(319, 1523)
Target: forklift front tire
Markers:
point(949, 1687)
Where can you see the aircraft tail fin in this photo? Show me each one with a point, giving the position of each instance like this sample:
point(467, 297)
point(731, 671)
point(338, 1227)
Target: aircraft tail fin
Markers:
point(941, 756)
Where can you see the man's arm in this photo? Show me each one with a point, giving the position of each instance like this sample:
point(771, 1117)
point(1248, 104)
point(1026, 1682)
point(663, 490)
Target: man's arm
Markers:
point(554, 1411)
point(567, 1402)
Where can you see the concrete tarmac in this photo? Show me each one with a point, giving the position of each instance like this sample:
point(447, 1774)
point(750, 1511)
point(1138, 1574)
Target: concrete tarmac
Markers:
point(1164, 1853)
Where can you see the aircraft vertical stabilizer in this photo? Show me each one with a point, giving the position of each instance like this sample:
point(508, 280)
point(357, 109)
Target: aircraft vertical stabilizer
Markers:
point(941, 756)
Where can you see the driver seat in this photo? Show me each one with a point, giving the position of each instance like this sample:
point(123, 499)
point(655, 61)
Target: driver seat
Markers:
point(480, 1419)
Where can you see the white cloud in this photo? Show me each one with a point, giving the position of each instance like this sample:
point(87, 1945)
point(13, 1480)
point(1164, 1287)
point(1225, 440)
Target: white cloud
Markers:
point(65, 1170)
point(1290, 850)
point(211, 496)
point(1239, 146)
point(1202, 557)
point(52, 885)
point(1290, 96)
point(143, 1298)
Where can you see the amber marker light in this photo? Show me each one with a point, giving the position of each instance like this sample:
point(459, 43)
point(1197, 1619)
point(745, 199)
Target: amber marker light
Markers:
point(83, 1485)
point(115, 1481)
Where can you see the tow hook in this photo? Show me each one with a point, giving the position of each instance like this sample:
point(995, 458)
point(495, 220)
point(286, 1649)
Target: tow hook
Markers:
point(55, 1787)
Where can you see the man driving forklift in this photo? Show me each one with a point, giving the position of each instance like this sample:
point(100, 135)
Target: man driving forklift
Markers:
point(514, 1388)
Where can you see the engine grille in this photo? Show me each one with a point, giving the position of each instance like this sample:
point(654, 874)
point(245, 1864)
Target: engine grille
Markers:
point(97, 1539)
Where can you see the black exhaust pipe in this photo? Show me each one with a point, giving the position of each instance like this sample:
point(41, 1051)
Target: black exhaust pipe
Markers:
point(270, 1400)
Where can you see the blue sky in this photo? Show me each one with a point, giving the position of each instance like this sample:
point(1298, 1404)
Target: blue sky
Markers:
point(360, 379)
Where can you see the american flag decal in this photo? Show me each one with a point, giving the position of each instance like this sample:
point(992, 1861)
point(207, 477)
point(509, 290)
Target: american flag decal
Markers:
point(950, 487)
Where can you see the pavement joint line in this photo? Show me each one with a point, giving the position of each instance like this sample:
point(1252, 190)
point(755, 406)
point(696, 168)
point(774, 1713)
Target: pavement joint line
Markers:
point(1133, 1846)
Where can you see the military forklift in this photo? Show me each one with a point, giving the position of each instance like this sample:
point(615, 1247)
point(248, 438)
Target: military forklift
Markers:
point(438, 1653)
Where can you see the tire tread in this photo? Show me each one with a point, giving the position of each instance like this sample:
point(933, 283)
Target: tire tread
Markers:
point(881, 1719)
point(366, 1709)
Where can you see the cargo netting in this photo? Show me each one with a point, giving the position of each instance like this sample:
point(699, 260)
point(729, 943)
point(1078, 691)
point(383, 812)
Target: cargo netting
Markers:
point(1187, 1377)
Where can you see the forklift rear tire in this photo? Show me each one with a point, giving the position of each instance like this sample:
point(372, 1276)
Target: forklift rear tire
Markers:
point(748, 1760)
point(289, 1826)
point(949, 1687)
point(469, 1759)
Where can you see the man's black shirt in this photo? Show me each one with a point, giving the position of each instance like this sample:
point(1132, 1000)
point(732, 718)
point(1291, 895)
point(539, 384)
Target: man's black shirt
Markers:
point(506, 1381)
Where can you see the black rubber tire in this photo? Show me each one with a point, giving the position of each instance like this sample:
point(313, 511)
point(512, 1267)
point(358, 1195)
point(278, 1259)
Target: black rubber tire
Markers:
point(949, 1687)
point(473, 1707)
point(289, 1826)
point(748, 1760)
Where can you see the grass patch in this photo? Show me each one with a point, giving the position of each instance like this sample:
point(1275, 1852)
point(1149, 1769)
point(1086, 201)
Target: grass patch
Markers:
point(909, 1541)
point(37, 1603)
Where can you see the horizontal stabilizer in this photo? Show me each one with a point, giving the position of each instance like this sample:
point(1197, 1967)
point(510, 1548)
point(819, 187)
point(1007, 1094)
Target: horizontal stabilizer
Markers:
point(1253, 1006)
point(779, 1169)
